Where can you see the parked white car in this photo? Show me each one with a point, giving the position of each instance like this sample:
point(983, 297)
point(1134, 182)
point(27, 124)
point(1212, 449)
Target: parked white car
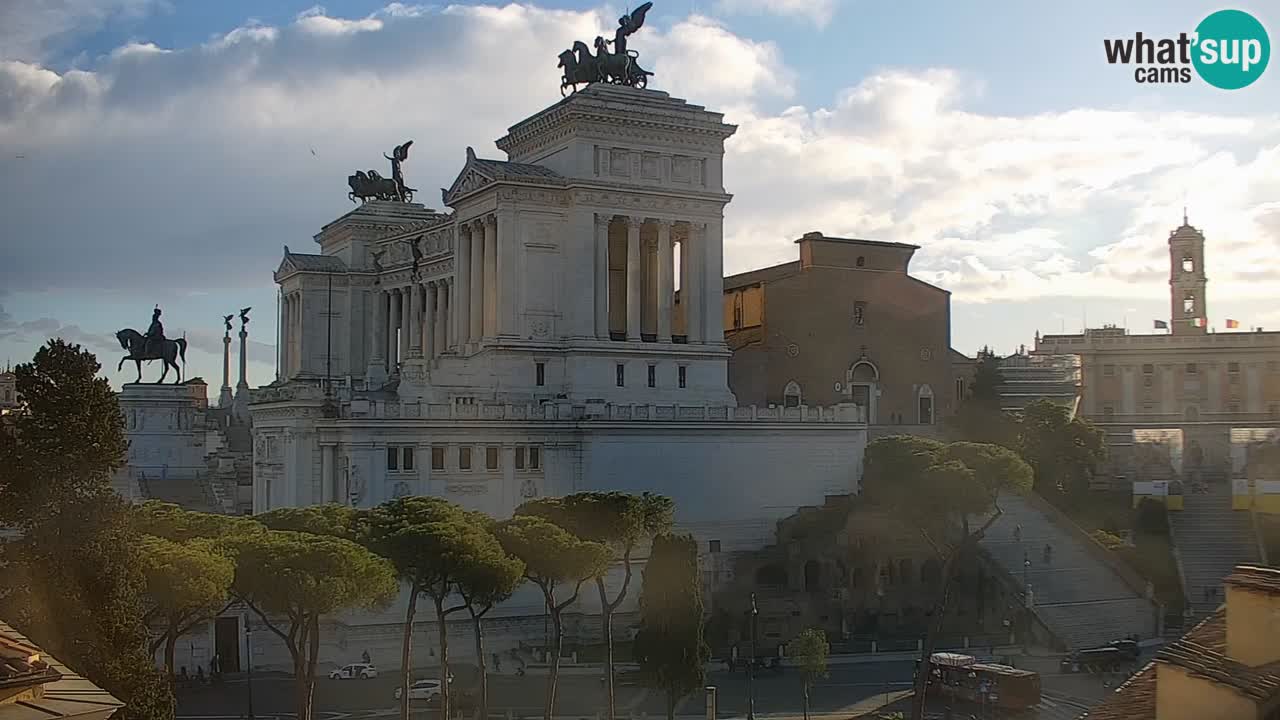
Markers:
point(421, 690)
point(364, 671)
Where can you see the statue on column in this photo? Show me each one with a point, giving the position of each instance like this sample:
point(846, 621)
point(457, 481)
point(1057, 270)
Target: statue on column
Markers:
point(152, 346)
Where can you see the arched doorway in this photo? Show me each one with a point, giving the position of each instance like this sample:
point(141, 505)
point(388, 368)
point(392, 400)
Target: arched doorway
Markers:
point(863, 380)
point(812, 576)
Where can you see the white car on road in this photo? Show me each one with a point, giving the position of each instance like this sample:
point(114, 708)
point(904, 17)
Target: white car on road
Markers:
point(421, 690)
point(364, 671)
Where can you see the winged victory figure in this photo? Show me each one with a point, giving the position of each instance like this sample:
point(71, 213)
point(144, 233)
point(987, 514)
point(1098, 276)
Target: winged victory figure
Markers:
point(618, 67)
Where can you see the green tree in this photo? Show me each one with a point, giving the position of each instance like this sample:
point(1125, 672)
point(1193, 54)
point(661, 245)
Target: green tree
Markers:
point(74, 581)
point(810, 649)
point(299, 578)
point(332, 519)
point(553, 558)
point(620, 521)
point(186, 584)
point(490, 576)
point(432, 543)
point(669, 645)
point(168, 521)
point(1062, 449)
point(942, 490)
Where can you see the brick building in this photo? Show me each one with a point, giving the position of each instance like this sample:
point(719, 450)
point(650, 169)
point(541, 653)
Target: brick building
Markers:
point(845, 323)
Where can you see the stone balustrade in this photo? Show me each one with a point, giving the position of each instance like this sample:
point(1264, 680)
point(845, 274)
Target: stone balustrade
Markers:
point(602, 412)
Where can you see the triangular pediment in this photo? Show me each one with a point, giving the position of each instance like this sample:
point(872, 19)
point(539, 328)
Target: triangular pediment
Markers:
point(470, 179)
point(287, 265)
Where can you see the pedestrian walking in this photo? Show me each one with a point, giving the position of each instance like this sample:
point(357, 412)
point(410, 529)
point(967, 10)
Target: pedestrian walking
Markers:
point(1017, 532)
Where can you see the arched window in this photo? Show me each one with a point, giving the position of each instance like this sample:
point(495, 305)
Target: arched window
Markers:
point(1189, 303)
point(862, 380)
point(791, 395)
point(861, 261)
point(1188, 264)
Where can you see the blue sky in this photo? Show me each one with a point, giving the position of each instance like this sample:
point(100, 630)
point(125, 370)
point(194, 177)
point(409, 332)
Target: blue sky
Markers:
point(165, 148)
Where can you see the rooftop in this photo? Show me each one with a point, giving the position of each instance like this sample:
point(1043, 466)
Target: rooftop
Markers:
point(61, 692)
point(817, 235)
point(307, 262)
point(1266, 579)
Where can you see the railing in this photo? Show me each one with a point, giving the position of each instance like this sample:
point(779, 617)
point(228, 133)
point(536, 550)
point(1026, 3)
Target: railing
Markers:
point(597, 412)
point(1073, 343)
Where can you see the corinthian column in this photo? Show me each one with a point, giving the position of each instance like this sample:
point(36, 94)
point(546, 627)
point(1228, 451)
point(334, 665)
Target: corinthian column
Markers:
point(633, 277)
point(429, 342)
point(666, 278)
point(476, 301)
point(462, 277)
point(445, 328)
point(393, 330)
point(602, 277)
point(490, 276)
point(376, 371)
point(413, 326)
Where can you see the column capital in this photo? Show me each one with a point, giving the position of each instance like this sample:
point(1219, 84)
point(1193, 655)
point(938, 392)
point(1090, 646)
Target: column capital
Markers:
point(490, 219)
point(603, 221)
point(633, 221)
point(663, 223)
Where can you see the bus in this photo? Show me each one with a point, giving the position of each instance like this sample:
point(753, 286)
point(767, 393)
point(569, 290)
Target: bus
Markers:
point(962, 677)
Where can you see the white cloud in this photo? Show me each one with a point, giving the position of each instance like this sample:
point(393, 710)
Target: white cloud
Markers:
point(818, 12)
point(29, 29)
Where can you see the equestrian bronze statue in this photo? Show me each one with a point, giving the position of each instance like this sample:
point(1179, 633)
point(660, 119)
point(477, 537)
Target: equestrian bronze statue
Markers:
point(153, 346)
point(618, 67)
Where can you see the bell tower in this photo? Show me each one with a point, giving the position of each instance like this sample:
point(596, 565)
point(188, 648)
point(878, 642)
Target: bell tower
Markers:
point(1188, 313)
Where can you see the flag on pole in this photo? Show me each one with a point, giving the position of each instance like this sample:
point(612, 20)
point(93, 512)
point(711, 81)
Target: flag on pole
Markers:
point(1161, 325)
point(1198, 322)
point(1233, 323)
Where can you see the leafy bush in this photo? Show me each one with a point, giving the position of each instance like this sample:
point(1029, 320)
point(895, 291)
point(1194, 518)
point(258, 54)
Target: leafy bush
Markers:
point(1108, 540)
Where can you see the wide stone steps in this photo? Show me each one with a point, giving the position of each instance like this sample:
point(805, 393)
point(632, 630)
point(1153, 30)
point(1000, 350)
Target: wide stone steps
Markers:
point(1211, 539)
point(1082, 600)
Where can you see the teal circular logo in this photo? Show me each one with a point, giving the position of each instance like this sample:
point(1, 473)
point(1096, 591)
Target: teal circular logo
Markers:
point(1232, 49)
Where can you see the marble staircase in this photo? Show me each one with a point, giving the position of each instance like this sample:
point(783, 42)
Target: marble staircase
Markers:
point(1211, 539)
point(1080, 597)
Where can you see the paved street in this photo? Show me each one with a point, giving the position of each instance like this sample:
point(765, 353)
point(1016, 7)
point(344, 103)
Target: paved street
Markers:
point(777, 693)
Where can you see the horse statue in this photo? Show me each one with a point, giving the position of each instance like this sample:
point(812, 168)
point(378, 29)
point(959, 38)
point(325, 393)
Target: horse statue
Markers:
point(619, 67)
point(169, 351)
point(372, 186)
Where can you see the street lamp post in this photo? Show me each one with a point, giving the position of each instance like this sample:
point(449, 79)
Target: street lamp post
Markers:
point(1026, 600)
point(751, 663)
point(248, 648)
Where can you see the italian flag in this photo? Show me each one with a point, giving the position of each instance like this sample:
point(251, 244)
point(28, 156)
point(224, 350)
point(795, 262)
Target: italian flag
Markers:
point(1233, 323)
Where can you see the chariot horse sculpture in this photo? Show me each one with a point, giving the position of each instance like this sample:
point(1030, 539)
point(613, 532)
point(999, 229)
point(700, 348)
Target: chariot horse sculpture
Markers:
point(168, 351)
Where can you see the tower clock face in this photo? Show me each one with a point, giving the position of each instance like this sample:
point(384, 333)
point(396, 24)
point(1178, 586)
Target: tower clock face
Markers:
point(926, 354)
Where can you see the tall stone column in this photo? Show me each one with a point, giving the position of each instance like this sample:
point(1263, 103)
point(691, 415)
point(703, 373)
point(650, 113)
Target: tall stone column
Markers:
point(490, 276)
point(446, 328)
point(296, 333)
point(429, 342)
point(476, 300)
point(243, 384)
point(224, 396)
point(413, 326)
point(666, 275)
point(283, 368)
point(633, 277)
point(713, 277)
point(376, 372)
point(328, 479)
point(462, 280)
point(695, 298)
point(684, 282)
point(394, 331)
point(602, 277)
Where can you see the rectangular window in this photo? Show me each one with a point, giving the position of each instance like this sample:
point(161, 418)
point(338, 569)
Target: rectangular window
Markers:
point(1148, 369)
point(1109, 370)
point(1192, 369)
point(959, 388)
point(437, 458)
point(1148, 408)
point(682, 375)
point(1108, 411)
point(464, 458)
point(393, 459)
point(540, 370)
point(859, 313)
point(653, 376)
point(622, 374)
point(535, 458)
point(1233, 367)
point(491, 458)
point(714, 546)
point(1146, 382)
point(519, 457)
point(926, 410)
point(407, 454)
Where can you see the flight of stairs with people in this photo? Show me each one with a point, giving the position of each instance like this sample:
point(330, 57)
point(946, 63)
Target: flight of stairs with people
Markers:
point(1211, 539)
point(1079, 596)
